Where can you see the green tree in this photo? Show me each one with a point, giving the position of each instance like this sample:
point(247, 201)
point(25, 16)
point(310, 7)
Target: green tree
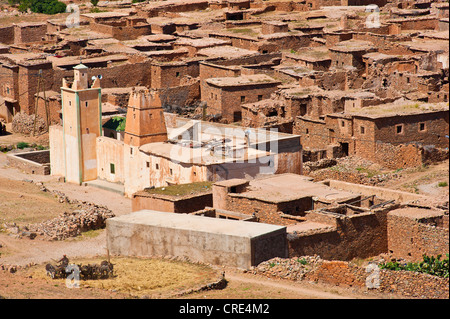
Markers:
point(94, 2)
point(42, 6)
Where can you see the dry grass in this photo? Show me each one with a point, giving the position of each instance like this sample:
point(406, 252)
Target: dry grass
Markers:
point(23, 203)
point(140, 277)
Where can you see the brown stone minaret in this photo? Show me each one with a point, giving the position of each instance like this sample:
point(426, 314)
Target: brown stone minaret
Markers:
point(145, 119)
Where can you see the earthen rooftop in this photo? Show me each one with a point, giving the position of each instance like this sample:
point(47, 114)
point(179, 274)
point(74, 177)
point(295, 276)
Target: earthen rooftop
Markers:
point(286, 187)
point(242, 80)
point(402, 108)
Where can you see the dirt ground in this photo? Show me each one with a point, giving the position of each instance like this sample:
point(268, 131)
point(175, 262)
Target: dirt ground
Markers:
point(240, 285)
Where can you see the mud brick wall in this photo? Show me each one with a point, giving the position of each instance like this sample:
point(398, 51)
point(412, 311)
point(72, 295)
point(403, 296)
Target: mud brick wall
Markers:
point(313, 133)
point(227, 101)
point(333, 38)
point(7, 35)
point(290, 42)
point(175, 99)
point(364, 134)
point(419, 24)
point(410, 239)
point(9, 81)
point(344, 59)
point(123, 75)
point(434, 155)
point(397, 156)
point(54, 108)
point(167, 75)
point(213, 70)
point(30, 33)
point(267, 212)
point(122, 32)
point(120, 99)
point(28, 84)
point(172, 205)
point(362, 235)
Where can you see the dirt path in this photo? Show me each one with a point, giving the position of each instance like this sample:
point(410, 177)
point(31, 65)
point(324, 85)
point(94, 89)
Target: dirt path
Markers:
point(24, 251)
point(299, 289)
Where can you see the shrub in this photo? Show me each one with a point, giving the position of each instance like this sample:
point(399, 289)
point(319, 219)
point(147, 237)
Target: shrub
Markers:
point(22, 145)
point(429, 265)
point(442, 184)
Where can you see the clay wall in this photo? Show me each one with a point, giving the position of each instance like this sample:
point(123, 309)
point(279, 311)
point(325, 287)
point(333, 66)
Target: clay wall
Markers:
point(110, 159)
point(270, 27)
point(425, 23)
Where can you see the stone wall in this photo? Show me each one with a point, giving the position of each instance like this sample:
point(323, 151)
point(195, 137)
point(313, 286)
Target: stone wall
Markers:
point(411, 237)
point(360, 235)
point(406, 283)
point(32, 162)
point(179, 98)
point(366, 279)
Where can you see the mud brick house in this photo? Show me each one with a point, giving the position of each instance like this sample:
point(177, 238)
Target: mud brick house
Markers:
point(125, 28)
point(425, 229)
point(349, 54)
point(270, 27)
point(225, 95)
point(168, 74)
point(280, 199)
point(268, 113)
point(194, 45)
point(395, 135)
point(29, 32)
point(180, 199)
point(19, 85)
point(157, 9)
point(317, 59)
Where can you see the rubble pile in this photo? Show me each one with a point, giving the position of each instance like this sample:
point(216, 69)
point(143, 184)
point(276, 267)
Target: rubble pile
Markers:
point(70, 224)
point(87, 216)
point(24, 124)
point(294, 268)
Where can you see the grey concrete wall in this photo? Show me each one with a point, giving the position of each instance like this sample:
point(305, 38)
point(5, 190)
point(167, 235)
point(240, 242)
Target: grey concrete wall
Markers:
point(202, 239)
